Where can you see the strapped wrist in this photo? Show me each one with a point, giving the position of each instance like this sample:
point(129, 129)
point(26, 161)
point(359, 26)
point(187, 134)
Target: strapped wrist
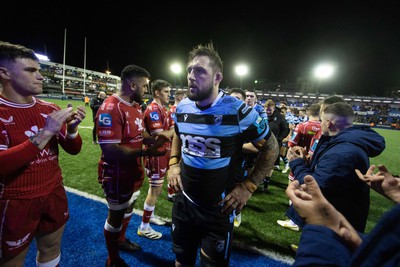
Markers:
point(250, 186)
point(72, 136)
point(173, 160)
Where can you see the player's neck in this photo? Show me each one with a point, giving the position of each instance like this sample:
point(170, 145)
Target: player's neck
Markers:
point(16, 98)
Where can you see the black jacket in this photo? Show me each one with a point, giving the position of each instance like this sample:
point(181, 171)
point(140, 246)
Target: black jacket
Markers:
point(278, 125)
point(95, 104)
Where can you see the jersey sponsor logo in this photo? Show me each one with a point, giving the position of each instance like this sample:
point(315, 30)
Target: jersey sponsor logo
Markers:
point(106, 133)
point(154, 116)
point(17, 243)
point(156, 124)
point(105, 120)
point(34, 130)
point(7, 121)
point(200, 146)
point(185, 117)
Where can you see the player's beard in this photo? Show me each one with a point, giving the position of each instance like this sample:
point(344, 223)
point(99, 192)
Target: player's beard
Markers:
point(137, 97)
point(200, 95)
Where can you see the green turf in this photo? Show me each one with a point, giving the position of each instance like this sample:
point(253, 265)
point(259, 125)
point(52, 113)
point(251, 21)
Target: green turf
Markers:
point(259, 227)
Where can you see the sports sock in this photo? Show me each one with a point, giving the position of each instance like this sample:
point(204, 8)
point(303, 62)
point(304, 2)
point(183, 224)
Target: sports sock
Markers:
point(125, 223)
point(111, 235)
point(147, 212)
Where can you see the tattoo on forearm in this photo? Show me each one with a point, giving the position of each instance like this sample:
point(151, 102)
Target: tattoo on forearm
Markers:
point(265, 160)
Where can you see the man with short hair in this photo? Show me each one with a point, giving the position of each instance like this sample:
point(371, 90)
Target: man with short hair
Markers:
point(33, 202)
point(210, 129)
point(157, 121)
point(342, 148)
point(121, 134)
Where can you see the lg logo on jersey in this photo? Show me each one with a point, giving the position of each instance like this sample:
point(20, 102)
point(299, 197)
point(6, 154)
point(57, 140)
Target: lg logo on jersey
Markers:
point(105, 120)
point(200, 146)
point(154, 116)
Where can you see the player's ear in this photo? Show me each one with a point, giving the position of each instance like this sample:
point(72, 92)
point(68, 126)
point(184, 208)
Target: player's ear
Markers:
point(3, 72)
point(218, 77)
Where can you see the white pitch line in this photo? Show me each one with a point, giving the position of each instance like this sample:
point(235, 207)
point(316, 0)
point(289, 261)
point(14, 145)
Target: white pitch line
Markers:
point(268, 253)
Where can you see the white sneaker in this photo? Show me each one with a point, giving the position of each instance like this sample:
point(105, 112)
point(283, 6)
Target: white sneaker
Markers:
point(289, 225)
point(149, 233)
point(276, 167)
point(157, 220)
point(286, 169)
point(238, 220)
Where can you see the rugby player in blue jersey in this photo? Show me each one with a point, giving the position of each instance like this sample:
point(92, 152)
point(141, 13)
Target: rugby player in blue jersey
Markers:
point(210, 129)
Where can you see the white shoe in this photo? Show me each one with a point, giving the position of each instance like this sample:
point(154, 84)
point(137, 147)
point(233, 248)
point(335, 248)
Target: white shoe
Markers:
point(286, 169)
point(289, 225)
point(157, 220)
point(276, 167)
point(238, 220)
point(149, 233)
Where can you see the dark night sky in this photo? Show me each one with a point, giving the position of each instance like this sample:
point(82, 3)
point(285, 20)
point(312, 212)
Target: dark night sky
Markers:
point(278, 41)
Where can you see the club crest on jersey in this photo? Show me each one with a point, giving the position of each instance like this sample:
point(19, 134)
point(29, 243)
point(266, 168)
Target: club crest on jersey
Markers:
point(219, 245)
point(217, 119)
point(139, 124)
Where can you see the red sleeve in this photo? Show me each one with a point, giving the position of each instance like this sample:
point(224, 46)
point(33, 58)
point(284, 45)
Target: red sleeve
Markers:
point(71, 146)
point(16, 157)
point(294, 140)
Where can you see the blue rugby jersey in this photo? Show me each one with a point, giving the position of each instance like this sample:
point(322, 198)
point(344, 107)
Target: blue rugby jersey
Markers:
point(212, 141)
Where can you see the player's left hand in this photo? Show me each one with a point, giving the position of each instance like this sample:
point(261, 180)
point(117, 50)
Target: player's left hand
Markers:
point(236, 199)
point(75, 119)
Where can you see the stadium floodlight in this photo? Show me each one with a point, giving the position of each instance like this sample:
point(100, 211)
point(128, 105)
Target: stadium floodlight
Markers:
point(323, 71)
point(241, 70)
point(42, 57)
point(176, 68)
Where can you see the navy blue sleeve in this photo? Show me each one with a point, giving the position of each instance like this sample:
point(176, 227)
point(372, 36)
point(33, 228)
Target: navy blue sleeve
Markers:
point(320, 246)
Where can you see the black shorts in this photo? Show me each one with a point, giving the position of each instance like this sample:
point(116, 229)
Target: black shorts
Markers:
point(194, 227)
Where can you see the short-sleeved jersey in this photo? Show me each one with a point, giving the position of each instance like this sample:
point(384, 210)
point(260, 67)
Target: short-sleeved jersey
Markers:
point(212, 141)
point(121, 122)
point(260, 110)
point(314, 142)
point(157, 119)
point(172, 111)
point(18, 122)
point(303, 133)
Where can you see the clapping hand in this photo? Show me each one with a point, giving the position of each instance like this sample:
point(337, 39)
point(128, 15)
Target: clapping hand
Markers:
point(382, 182)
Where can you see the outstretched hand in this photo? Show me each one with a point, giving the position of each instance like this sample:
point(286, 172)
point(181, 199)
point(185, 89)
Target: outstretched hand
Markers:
point(314, 208)
point(382, 182)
